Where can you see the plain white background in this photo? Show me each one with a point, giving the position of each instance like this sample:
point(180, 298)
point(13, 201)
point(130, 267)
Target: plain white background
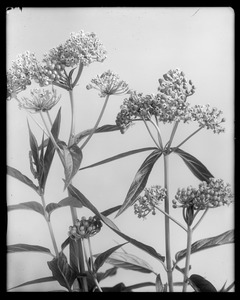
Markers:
point(142, 45)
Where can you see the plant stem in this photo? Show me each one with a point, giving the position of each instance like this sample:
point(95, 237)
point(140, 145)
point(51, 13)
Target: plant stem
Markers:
point(150, 132)
point(73, 210)
point(38, 125)
point(184, 141)
point(72, 130)
point(49, 225)
point(81, 263)
point(96, 125)
point(187, 263)
point(171, 218)
point(159, 133)
point(49, 118)
point(172, 134)
point(167, 226)
point(195, 226)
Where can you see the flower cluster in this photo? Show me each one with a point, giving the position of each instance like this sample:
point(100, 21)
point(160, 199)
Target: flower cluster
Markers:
point(169, 105)
point(174, 85)
point(41, 100)
point(108, 83)
point(81, 47)
point(206, 116)
point(148, 202)
point(85, 228)
point(20, 74)
point(208, 195)
point(163, 107)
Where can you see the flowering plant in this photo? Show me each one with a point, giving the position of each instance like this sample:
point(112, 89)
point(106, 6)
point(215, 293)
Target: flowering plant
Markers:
point(80, 272)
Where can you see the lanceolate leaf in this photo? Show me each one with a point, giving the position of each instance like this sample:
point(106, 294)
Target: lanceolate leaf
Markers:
point(222, 239)
point(18, 175)
point(129, 262)
point(104, 128)
point(101, 258)
point(200, 284)
point(111, 210)
point(159, 285)
point(118, 156)
point(195, 166)
point(50, 150)
point(85, 202)
point(39, 280)
point(32, 205)
point(34, 151)
point(72, 159)
point(27, 248)
point(107, 273)
point(140, 180)
point(68, 201)
point(62, 271)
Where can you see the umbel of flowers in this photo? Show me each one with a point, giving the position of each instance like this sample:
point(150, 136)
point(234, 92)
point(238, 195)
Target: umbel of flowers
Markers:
point(41, 100)
point(85, 228)
point(210, 194)
point(170, 104)
point(109, 83)
point(80, 49)
point(147, 203)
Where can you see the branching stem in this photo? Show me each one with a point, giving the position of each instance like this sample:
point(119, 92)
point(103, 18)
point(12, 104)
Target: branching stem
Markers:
point(96, 125)
point(187, 263)
point(167, 226)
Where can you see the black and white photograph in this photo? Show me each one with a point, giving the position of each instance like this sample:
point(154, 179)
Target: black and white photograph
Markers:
point(120, 149)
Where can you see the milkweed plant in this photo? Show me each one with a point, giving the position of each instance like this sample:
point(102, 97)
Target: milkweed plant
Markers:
point(80, 270)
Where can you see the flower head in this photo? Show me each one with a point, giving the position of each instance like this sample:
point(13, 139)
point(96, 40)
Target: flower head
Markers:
point(175, 85)
point(163, 107)
point(85, 228)
point(81, 47)
point(109, 83)
point(21, 72)
point(41, 100)
point(208, 195)
point(208, 117)
point(148, 202)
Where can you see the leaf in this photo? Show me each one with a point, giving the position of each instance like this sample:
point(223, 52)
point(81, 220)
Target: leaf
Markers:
point(137, 286)
point(50, 150)
point(65, 243)
point(118, 156)
point(39, 280)
point(74, 192)
point(159, 285)
point(101, 258)
point(72, 158)
point(26, 248)
point(224, 290)
point(104, 128)
point(18, 175)
point(62, 271)
point(34, 151)
point(129, 262)
point(140, 180)
point(32, 205)
point(74, 248)
point(111, 210)
point(222, 239)
point(108, 273)
point(200, 284)
point(120, 287)
point(195, 166)
point(68, 201)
